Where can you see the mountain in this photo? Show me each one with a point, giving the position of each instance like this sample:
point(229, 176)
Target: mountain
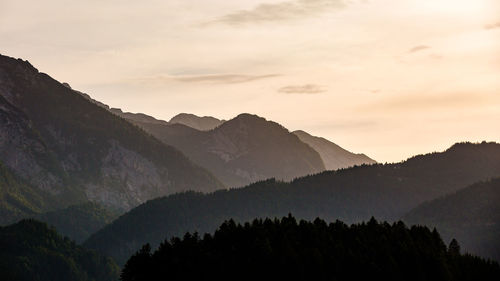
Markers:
point(135, 117)
point(205, 123)
point(243, 150)
point(355, 194)
point(471, 215)
point(78, 222)
point(287, 250)
point(32, 251)
point(334, 156)
point(57, 149)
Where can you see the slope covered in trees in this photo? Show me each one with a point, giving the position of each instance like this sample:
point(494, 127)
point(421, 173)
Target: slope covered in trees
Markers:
point(78, 222)
point(289, 250)
point(384, 191)
point(29, 250)
point(17, 199)
point(70, 150)
point(471, 215)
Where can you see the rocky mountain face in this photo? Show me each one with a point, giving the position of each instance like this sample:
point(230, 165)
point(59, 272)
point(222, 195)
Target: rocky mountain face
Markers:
point(71, 150)
point(205, 123)
point(334, 156)
point(242, 150)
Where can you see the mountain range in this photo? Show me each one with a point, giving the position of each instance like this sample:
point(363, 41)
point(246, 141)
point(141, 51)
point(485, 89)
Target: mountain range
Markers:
point(115, 180)
point(386, 192)
point(247, 148)
point(61, 149)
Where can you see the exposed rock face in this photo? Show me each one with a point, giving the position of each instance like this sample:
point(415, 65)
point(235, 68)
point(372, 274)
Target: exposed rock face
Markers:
point(205, 123)
point(334, 156)
point(73, 149)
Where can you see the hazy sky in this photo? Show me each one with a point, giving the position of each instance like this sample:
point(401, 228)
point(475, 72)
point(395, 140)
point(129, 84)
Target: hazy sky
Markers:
point(389, 78)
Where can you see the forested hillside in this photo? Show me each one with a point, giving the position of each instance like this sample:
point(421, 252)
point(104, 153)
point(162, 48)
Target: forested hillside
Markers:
point(29, 251)
point(78, 222)
point(384, 191)
point(471, 215)
point(289, 250)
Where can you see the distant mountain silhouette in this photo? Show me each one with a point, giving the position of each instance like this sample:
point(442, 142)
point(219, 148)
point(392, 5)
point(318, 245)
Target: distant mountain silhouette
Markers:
point(243, 150)
point(351, 195)
point(471, 215)
point(32, 251)
point(334, 156)
point(57, 148)
point(205, 123)
point(137, 117)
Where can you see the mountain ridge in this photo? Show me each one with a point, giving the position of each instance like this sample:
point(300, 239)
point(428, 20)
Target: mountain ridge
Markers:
point(386, 191)
point(74, 150)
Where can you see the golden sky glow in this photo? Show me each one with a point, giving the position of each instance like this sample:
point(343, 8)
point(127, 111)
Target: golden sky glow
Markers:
point(389, 78)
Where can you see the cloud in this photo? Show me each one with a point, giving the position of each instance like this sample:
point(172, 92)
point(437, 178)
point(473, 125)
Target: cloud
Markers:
point(418, 49)
point(302, 89)
point(492, 26)
point(288, 10)
point(224, 78)
point(212, 78)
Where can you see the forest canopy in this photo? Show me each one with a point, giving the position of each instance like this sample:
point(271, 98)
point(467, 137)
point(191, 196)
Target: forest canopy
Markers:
point(284, 249)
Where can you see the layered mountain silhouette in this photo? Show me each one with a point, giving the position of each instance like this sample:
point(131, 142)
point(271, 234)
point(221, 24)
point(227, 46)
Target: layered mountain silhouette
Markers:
point(247, 148)
point(242, 150)
point(471, 215)
point(384, 191)
point(32, 251)
point(334, 157)
point(57, 149)
point(205, 123)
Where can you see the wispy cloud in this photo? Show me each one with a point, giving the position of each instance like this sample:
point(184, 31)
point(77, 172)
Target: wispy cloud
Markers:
point(418, 49)
point(287, 10)
point(212, 78)
point(492, 26)
point(302, 89)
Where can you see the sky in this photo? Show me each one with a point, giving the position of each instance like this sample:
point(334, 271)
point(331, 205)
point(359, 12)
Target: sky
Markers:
point(388, 78)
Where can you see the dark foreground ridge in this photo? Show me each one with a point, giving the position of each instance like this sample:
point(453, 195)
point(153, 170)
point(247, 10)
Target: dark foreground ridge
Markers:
point(29, 251)
point(287, 250)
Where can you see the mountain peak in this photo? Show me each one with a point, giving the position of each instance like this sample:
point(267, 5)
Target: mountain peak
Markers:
point(334, 156)
point(201, 123)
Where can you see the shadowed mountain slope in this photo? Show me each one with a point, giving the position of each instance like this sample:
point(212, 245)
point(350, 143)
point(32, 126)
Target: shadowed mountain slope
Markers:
point(384, 191)
point(242, 150)
point(78, 222)
point(70, 150)
point(334, 157)
point(471, 215)
point(205, 123)
point(32, 251)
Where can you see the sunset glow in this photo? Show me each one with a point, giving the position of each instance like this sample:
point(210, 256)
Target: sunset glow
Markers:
point(389, 78)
